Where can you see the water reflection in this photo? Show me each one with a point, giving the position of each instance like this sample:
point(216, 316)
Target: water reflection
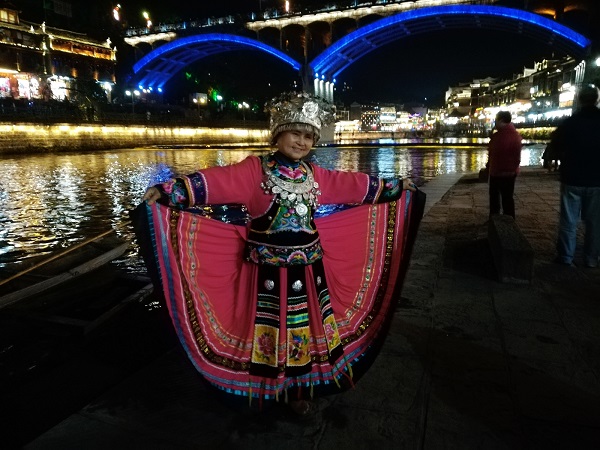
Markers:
point(50, 201)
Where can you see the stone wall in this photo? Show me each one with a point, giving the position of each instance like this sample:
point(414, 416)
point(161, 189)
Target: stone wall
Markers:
point(26, 138)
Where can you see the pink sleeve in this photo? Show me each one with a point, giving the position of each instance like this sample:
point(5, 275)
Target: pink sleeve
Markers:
point(339, 187)
point(236, 183)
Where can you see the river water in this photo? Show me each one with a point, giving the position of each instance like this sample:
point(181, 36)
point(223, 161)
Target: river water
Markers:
point(51, 201)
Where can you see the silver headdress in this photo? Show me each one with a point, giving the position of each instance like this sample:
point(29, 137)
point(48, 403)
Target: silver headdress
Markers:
point(298, 110)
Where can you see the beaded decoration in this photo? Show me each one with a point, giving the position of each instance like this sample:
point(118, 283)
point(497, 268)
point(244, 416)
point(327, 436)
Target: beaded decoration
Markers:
point(299, 196)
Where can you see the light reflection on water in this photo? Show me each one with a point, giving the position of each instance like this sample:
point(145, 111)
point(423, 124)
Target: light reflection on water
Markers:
point(50, 201)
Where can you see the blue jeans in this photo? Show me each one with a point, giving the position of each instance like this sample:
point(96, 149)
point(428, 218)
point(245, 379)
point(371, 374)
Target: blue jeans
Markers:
point(576, 202)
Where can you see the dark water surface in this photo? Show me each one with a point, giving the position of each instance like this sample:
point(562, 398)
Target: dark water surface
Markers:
point(51, 201)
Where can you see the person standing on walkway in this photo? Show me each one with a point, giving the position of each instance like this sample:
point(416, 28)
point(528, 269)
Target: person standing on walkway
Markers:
point(550, 157)
point(504, 158)
point(577, 140)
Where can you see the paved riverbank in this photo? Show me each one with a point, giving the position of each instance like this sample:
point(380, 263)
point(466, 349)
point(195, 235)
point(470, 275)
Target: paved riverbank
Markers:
point(469, 362)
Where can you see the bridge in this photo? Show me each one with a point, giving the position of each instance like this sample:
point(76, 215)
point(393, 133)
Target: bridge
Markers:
point(368, 28)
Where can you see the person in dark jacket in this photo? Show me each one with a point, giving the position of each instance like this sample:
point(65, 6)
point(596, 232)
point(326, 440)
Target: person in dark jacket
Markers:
point(577, 140)
point(504, 158)
point(550, 157)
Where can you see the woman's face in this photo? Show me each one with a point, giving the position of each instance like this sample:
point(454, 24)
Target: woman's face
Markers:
point(295, 144)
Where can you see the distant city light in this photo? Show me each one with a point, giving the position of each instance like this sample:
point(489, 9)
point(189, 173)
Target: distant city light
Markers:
point(147, 17)
point(117, 13)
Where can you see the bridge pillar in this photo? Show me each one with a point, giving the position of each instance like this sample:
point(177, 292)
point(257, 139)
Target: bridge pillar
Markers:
point(306, 74)
point(323, 88)
point(315, 85)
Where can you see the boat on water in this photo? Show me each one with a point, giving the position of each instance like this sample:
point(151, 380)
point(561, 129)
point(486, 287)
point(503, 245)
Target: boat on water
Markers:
point(49, 271)
point(66, 287)
point(73, 325)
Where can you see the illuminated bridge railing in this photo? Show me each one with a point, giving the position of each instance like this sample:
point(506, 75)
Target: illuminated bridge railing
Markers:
point(175, 27)
point(253, 21)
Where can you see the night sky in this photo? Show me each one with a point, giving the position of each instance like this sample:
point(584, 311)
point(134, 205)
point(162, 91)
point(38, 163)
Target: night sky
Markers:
point(421, 68)
point(417, 69)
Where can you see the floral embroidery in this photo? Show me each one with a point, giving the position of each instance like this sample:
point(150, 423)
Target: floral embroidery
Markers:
point(287, 219)
point(299, 173)
point(392, 189)
point(167, 186)
point(295, 174)
point(297, 257)
point(266, 346)
point(331, 333)
point(176, 192)
point(297, 346)
point(283, 256)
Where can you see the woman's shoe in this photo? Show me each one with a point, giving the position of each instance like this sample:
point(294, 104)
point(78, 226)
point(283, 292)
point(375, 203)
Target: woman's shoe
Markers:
point(303, 408)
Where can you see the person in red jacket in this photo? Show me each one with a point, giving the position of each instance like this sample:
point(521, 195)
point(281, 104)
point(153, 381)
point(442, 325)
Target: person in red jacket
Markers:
point(504, 158)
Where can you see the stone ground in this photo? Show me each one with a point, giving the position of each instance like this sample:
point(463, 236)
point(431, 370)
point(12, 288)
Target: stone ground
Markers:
point(470, 363)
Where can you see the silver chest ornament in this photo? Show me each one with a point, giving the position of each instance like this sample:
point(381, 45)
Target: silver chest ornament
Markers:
point(299, 196)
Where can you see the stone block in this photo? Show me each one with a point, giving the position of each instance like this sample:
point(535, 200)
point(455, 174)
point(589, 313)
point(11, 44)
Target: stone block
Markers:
point(511, 251)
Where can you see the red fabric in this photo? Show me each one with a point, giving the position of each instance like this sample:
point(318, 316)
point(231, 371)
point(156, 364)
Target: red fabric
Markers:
point(211, 291)
point(240, 183)
point(504, 152)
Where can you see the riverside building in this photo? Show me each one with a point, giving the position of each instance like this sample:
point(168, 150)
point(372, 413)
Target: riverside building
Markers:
point(538, 96)
point(42, 62)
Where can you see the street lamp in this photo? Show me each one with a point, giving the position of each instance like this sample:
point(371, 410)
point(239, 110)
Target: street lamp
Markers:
point(243, 106)
point(147, 18)
point(117, 13)
point(133, 94)
point(199, 99)
point(197, 103)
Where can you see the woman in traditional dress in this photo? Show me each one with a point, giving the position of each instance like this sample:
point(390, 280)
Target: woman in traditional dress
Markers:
point(297, 299)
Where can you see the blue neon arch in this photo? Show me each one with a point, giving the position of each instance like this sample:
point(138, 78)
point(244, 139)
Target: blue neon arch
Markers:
point(158, 66)
point(336, 58)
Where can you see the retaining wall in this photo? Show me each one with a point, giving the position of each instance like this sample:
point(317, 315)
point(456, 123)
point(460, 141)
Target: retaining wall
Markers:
point(25, 138)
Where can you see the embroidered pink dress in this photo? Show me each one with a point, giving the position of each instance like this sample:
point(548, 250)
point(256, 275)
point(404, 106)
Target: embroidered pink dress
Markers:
point(297, 298)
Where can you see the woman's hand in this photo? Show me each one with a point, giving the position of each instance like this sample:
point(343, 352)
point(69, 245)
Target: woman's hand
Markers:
point(407, 184)
point(152, 195)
